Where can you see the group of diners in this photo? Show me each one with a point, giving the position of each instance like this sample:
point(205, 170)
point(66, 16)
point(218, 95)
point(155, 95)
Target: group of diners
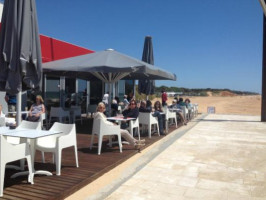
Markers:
point(132, 111)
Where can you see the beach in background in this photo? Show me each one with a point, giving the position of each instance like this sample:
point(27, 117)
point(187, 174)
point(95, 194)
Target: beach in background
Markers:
point(226, 104)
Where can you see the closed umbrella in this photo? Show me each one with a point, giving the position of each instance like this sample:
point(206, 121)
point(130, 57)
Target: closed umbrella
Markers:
point(146, 86)
point(20, 52)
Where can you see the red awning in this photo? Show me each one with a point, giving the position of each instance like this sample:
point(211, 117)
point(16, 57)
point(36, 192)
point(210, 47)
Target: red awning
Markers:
point(53, 49)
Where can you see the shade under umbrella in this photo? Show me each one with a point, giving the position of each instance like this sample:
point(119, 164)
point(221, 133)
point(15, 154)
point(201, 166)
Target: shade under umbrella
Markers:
point(20, 52)
point(146, 86)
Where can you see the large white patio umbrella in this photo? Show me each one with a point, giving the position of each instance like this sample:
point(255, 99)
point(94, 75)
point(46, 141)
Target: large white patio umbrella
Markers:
point(109, 66)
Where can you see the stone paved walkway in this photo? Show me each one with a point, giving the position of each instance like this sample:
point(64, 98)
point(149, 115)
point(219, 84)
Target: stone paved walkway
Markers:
point(222, 157)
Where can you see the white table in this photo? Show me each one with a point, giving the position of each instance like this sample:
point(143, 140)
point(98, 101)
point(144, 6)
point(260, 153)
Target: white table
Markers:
point(31, 135)
point(119, 119)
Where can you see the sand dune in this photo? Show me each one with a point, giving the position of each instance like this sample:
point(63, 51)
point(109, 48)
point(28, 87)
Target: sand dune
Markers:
point(246, 105)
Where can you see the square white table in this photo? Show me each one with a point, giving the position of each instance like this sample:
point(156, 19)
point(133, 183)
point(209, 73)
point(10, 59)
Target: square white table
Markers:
point(31, 135)
point(119, 120)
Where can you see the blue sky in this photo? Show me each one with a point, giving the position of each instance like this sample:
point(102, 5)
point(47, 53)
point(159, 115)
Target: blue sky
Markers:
point(206, 43)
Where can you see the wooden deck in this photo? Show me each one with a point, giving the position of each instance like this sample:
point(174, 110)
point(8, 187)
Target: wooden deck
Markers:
point(72, 179)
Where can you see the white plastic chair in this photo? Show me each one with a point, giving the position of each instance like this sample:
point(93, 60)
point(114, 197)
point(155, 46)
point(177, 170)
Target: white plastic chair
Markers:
point(91, 109)
point(134, 124)
point(101, 129)
point(9, 153)
point(170, 116)
point(60, 113)
point(185, 112)
point(149, 120)
point(42, 118)
point(16, 140)
point(76, 112)
point(196, 109)
point(55, 143)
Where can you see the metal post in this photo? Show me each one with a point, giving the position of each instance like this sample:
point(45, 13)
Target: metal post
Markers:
point(44, 89)
point(77, 92)
point(263, 91)
point(18, 108)
point(62, 91)
point(88, 96)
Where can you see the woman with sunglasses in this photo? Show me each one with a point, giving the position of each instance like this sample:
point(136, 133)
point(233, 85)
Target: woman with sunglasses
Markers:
point(124, 133)
point(132, 110)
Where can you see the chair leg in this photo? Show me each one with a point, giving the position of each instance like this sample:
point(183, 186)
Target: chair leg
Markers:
point(120, 142)
point(158, 131)
point(58, 155)
point(76, 155)
point(2, 178)
point(31, 175)
point(100, 139)
point(43, 158)
point(138, 132)
point(149, 130)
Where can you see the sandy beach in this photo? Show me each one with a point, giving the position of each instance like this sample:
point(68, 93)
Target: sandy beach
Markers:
point(245, 105)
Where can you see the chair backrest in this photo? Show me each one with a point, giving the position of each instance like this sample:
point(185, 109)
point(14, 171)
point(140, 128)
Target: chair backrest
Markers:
point(146, 118)
point(76, 110)
point(5, 148)
point(92, 108)
point(96, 127)
point(54, 111)
point(58, 111)
point(65, 129)
point(24, 125)
point(30, 125)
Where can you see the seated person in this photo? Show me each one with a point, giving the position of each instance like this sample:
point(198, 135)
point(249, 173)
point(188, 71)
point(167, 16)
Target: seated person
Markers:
point(36, 110)
point(161, 118)
point(188, 104)
point(125, 102)
point(124, 133)
point(114, 108)
point(117, 100)
point(181, 102)
point(143, 107)
point(131, 111)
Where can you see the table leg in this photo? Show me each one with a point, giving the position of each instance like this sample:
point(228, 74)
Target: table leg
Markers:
point(166, 126)
point(32, 151)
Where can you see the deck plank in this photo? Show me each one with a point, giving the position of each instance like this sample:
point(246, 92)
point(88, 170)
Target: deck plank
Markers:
point(91, 166)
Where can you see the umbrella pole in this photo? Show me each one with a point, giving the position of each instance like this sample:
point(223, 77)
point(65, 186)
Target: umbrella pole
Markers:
point(18, 108)
point(110, 99)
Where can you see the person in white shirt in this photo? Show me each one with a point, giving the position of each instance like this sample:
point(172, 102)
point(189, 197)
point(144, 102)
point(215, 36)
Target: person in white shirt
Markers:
point(105, 98)
point(125, 101)
point(124, 133)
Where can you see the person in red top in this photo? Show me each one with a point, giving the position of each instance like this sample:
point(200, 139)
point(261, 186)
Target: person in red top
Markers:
point(164, 97)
